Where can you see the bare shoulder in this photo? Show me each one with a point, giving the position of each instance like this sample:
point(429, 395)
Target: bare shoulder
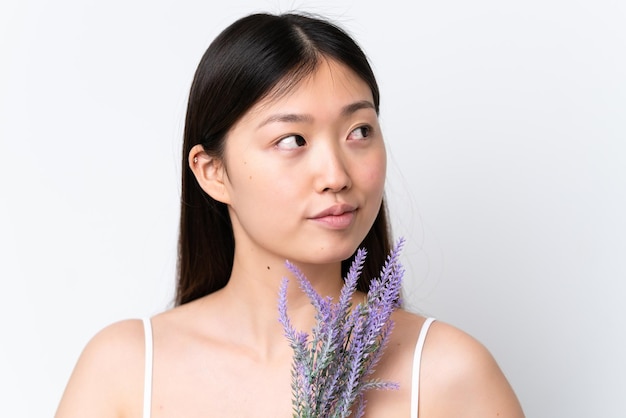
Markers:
point(460, 378)
point(108, 377)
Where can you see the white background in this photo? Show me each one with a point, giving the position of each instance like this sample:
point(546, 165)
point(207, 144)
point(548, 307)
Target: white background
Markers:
point(506, 130)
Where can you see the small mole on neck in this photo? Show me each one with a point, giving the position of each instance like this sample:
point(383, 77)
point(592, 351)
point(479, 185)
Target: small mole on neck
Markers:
point(268, 267)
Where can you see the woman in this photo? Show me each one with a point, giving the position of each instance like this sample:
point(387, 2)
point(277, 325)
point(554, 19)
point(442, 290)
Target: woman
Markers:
point(283, 158)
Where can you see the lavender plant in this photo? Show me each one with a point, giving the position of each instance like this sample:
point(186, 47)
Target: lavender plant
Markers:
point(333, 367)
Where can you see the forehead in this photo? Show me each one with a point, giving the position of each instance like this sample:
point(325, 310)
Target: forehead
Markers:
point(332, 85)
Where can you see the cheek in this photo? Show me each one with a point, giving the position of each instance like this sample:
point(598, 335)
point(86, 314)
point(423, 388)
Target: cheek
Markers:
point(375, 170)
point(263, 185)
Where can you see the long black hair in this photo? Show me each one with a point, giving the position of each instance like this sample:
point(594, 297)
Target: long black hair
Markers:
point(248, 60)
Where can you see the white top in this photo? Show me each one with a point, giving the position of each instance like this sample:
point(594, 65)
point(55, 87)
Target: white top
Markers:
point(415, 379)
point(417, 362)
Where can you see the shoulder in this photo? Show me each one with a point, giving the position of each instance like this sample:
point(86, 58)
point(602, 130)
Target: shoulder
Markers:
point(108, 377)
point(461, 378)
point(458, 375)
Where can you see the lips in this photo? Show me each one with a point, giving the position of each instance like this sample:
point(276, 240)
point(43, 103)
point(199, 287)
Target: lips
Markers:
point(336, 217)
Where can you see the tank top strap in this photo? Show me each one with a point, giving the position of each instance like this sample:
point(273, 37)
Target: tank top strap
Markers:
point(417, 361)
point(147, 379)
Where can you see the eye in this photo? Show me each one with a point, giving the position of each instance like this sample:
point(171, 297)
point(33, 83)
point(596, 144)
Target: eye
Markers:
point(360, 133)
point(291, 142)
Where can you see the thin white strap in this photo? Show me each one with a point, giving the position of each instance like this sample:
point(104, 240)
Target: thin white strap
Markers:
point(417, 361)
point(147, 380)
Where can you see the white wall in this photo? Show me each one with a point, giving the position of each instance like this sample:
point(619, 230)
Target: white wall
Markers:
point(506, 125)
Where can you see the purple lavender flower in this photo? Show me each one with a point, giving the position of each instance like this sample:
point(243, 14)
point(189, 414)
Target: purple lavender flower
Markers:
point(331, 368)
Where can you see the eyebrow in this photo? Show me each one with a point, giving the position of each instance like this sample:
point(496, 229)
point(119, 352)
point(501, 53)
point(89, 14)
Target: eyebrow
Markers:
point(347, 110)
point(352, 108)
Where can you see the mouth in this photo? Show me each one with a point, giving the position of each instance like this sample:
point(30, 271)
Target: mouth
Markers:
point(336, 217)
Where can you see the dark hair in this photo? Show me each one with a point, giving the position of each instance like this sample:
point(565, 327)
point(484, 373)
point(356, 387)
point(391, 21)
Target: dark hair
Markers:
point(250, 59)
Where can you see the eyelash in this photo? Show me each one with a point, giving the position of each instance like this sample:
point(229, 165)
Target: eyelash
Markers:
point(298, 138)
point(299, 141)
point(366, 130)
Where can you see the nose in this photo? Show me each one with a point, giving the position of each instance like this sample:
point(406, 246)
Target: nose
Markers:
point(332, 170)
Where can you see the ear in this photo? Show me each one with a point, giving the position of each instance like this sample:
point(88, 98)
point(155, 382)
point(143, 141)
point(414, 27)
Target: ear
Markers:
point(210, 173)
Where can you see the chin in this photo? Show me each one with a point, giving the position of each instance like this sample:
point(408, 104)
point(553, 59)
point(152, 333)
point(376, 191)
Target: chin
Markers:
point(333, 252)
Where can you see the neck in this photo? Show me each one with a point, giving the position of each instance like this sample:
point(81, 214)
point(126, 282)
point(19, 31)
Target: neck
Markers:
point(250, 299)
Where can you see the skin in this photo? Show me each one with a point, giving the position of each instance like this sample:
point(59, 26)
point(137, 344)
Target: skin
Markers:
point(288, 159)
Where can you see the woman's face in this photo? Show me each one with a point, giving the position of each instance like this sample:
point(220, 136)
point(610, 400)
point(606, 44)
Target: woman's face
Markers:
point(304, 171)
